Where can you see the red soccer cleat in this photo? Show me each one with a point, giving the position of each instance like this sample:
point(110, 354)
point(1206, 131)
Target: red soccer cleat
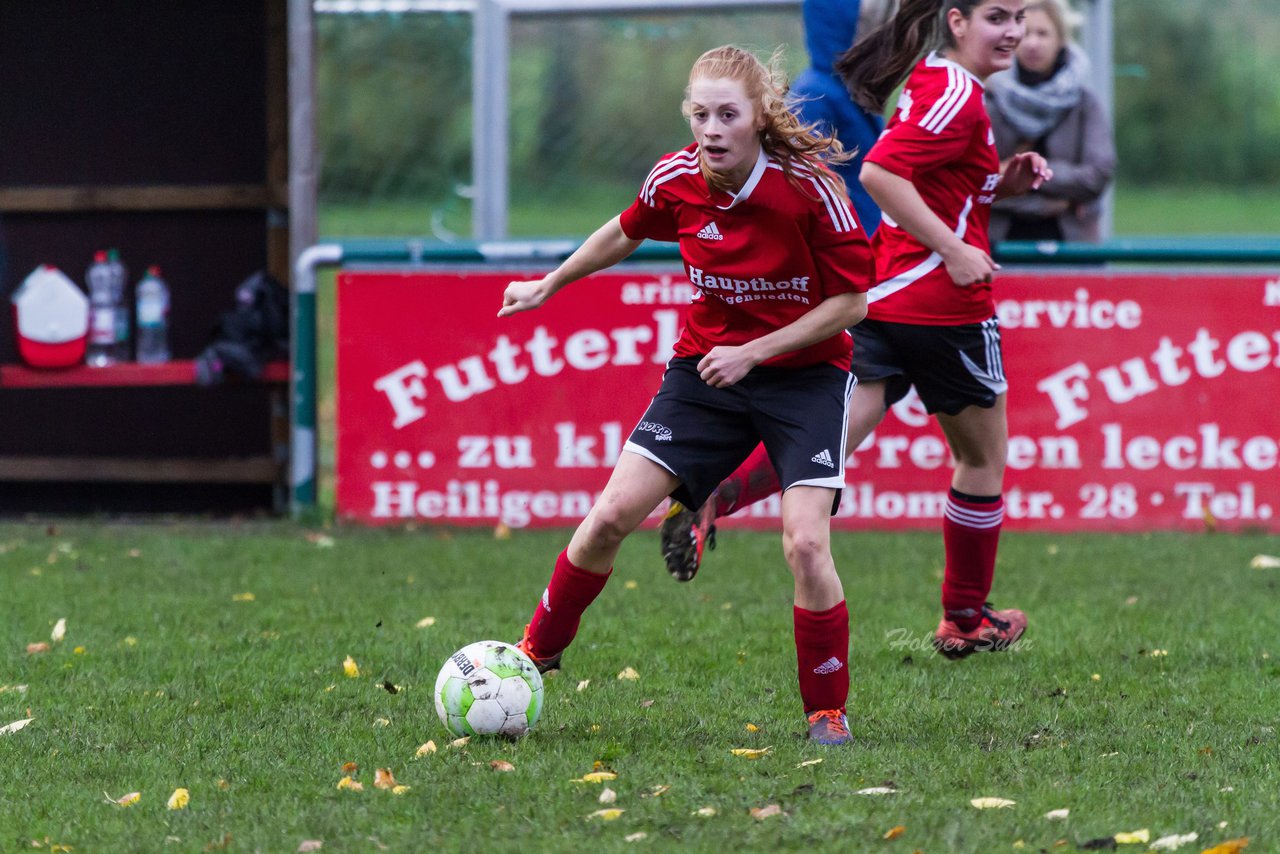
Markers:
point(543, 663)
point(998, 631)
point(685, 533)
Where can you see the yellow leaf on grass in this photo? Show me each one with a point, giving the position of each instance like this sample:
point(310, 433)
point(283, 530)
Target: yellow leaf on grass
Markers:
point(350, 767)
point(895, 832)
point(635, 837)
point(1133, 837)
point(1231, 846)
point(124, 800)
point(1057, 815)
point(78, 651)
point(752, 728)
point(59, 630)
point(399, 790)
point(1265, 562)
point(501, 765)
point(429, 747)
point(384, 779)
point(607, 796)
point(310, 845)
point(991, 803)
point(595, 777)
point(607, 814)
point(243, 597)
point(425, 623)
point(808, 762)
point(382, 722)
point(877, 790)
point(179, 799)
point(655, 792)
point(629, 674)
point(350, 668)
point(750, 752)
point(705, 812)
point(7, 729)
point(631, 584)
point(347, 783)
point(460, 742)
point(582, 686)
point(1173, 841)
point(761, 813)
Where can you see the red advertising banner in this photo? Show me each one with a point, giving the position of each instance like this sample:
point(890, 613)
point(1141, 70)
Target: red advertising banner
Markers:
point(1136, 402)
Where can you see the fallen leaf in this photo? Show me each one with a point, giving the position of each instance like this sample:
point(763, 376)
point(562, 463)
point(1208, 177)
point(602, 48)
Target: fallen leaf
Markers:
point(656, 792)
point(1097, 677)
point(1231, 846)
point(991, 803)
point(350, 668)
point(460, 742)
point(582, 686)
point(243, 597)
point(750, 752)
point(808, 762)
point(21, 689)
point(1058, 815)
point(596, 777)
point(1265, 562)
point(1133, 837)
point(425, 623)
point(78, 651)
point(124, 800)
point(350, 767)
point(8, 729)
point(33, 648)
point(501, 765)
point(607, 796)
point(607, 814)
point(380, 722)
point(59, 630)
point(310, 845)
point(218, 844)
point(761, 813)
point(321, 541)
point(399, 790)
point(752, 728)
point(223, 785)
point(1173, 841)
point(629, 674)
point(644, 704)
point(895, 832)
point(877, 790)
point(635, 837)
point(704, 812)
point(631, 584)
point(353, 785)
point(502, 531)
point(423, 750)
point(384, 779)
point(179, 799)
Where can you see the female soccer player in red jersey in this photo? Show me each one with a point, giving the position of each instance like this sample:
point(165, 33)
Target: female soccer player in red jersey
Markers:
point(931, 318)
point(780, 263)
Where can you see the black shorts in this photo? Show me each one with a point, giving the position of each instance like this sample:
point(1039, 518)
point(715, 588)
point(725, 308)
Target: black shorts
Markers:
point(701, 434)
point(952, 367)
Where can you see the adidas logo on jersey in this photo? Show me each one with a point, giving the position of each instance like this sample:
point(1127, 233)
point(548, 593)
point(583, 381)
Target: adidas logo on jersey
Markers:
point(710, 232)
point(823, 457)
point(831, 665)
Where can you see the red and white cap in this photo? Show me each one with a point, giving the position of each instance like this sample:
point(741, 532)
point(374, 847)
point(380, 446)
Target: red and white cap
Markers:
point(52, 318)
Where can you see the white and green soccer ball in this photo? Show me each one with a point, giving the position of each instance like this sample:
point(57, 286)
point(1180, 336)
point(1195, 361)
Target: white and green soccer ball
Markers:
point(489, 688)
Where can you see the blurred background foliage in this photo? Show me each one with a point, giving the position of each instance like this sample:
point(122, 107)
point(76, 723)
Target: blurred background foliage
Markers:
point(596, 98)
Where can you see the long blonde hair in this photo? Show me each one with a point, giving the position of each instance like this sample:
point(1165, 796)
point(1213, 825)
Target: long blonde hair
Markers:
point(784, 137)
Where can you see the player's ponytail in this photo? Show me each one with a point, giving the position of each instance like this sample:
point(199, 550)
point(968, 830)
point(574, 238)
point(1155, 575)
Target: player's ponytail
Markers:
point(878, 63)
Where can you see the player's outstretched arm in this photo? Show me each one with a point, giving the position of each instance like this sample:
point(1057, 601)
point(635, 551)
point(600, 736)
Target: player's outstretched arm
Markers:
point(606, 247)
point(1022, 173)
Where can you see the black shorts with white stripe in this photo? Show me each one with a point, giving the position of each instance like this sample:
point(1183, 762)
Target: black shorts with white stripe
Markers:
point(701, 434)
point(952, 367)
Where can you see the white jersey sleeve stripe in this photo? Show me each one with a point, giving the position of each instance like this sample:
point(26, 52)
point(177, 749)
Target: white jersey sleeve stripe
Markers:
point(678, 165)
point(945, 109)
point(938, 104)
point(838, 209)
point(962, 99)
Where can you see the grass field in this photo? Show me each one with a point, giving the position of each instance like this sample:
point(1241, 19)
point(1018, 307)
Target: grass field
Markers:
point(1147, 696)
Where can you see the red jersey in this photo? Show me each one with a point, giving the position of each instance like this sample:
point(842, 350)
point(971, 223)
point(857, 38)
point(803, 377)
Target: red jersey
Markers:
point(759, 259)
point(940, 140)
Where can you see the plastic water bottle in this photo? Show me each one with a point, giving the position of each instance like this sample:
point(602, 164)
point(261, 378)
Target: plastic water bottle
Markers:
point(153, 318)
point(108, 318)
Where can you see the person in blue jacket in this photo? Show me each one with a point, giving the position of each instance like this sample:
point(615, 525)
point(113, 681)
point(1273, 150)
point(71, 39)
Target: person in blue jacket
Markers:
point(819, 96)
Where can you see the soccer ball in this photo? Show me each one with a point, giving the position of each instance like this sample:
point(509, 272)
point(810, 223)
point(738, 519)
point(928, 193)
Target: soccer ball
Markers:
point(488, 688)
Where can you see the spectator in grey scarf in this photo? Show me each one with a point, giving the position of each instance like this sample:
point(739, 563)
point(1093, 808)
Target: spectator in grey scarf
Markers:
point(1043, 104)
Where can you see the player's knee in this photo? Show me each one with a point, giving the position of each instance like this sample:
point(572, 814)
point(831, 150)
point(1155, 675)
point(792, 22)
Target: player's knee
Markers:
point(807, 553)
point(606, 527)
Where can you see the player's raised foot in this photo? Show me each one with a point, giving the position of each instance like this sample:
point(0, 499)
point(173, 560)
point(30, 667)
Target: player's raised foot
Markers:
point(685, 533)
point(998, 631)
point(543, 663)
point(829, 726)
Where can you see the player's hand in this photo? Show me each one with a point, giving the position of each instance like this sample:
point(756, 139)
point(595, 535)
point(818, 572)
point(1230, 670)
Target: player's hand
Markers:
point(724, 366)
point(969, 265)
point(1026, 171)
point(523, 296)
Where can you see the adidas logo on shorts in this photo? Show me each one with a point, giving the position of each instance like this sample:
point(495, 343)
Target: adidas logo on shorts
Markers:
point(831, 665)
point(711, 232)
point(823, 457)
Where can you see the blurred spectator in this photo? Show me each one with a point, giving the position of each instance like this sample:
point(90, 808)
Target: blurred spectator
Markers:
point(818, 95)
point(1043, 104)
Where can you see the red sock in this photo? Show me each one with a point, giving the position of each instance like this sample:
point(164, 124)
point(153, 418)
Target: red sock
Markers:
point(570, 591)
point(750, 482)
point(970, 534)
point(822, 657)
